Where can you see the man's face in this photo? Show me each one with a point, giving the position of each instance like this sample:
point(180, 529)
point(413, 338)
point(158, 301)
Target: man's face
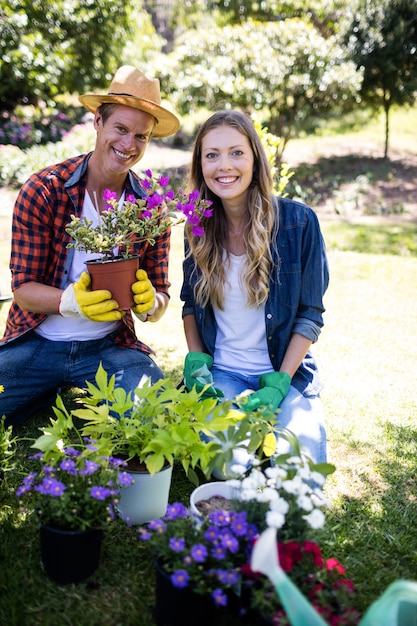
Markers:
point(122, 139)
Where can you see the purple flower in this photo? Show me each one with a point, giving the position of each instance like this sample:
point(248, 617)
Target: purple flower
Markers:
point(177, 544)
point(175, 511)
point(51, 487)
point(194, 195)
point(170, 195)
point(163, 181)
point(131, 198)
point(212, 534)
point(239, 524)
point(154, 200)
point(89, 468)
point(27, 484)
point(158, 526)
point(125, 479)
point(227, 577)
point(144, 534)
point(199, 553)
point(197, 231)
point(70, 451)
point(230, 542)
point(219, 597)
point(68, 465)
point(114, 462)
point(146, 214)
point(109, 195)
point(149, 173)
point(180, 578)
point(100, 493)
point(219, 518)
point(219, 553)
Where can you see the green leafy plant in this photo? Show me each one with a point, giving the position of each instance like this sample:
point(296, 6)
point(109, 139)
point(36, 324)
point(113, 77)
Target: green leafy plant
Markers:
point(7, 447)
point(159, 423)
point(138, 219)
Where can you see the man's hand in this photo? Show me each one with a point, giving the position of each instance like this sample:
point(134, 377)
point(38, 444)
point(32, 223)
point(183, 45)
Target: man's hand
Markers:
point(143, 295)
point(274, 386)
point(77, 300)
point(197, 374)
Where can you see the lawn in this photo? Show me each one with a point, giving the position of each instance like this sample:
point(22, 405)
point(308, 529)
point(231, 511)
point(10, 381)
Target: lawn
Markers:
point(366, 355)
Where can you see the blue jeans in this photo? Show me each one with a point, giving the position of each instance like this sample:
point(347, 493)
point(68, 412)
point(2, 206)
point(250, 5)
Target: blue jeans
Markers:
point(302, 415)
point(33, 369)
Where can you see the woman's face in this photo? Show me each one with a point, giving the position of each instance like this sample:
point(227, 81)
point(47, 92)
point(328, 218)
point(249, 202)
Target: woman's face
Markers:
point(227, 163)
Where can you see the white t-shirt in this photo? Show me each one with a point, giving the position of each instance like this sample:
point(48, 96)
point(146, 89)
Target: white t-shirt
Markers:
point(241, 344)
point(58, 328)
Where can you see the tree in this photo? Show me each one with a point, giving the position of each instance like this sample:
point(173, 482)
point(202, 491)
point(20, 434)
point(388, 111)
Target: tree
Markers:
point(382, 39)
point(285, 69)
point(62, 46)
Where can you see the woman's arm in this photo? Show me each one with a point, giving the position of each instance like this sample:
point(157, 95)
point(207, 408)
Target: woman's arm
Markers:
point(295, 353)
point(192, 336)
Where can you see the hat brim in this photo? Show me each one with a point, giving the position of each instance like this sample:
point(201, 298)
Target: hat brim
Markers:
point(167, 122)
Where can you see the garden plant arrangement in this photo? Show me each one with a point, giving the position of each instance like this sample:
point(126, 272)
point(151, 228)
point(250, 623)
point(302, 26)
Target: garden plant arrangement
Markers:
point(138, 220)
point(158, 423)
point(76, 487)
point(211, 555)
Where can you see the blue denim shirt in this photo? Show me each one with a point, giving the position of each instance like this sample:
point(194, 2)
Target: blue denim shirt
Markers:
point(299, 279)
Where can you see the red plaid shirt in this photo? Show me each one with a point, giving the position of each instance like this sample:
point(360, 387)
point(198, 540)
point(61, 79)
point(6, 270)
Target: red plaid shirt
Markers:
point(39, 241)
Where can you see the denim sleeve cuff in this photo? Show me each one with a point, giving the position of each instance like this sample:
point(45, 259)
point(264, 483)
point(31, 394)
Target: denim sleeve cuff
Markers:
point(307, 329)
point(187, 310)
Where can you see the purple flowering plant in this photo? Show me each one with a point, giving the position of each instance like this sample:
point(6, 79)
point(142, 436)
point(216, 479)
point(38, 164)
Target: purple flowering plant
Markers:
point(75, 487)
point(125, 224)
point(207, 555)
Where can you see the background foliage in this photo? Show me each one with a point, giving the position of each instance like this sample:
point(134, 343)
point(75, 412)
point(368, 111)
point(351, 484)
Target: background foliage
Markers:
point(296, 62)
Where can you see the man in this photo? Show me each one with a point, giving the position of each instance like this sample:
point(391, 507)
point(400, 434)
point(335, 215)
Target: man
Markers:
point(58, 329)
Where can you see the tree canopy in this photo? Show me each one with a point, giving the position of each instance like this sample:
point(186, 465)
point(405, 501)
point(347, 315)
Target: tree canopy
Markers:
point(285, 69)
point(382, 39)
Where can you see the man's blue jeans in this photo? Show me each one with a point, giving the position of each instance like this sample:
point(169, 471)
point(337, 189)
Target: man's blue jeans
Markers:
point(33, 369)
point(302, 415)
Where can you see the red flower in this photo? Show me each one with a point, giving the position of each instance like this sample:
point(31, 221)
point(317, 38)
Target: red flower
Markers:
point(334, 564)
point(289, 554)
point(310, 546)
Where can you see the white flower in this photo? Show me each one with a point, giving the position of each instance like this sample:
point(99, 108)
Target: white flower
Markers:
point(318, 478)
point(275, 519)
point(234, 483)
point(279, 505)
point(304, 502)
point(315, 519)
point(293, 486)
point(267, 495)
point(294, 460)
point(275, 472)
point(248, 494)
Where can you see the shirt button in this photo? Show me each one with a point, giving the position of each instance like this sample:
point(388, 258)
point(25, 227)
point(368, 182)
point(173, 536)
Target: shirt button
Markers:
point(269, 316)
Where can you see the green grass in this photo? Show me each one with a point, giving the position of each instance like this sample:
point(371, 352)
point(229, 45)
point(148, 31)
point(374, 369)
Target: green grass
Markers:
point(366, 355)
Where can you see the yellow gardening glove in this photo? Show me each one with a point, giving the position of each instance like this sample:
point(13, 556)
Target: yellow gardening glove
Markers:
point(79, 301)
point(143, 295)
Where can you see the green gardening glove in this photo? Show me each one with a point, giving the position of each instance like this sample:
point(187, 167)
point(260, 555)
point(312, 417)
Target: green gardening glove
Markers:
point(273, 387)
point(197, 374)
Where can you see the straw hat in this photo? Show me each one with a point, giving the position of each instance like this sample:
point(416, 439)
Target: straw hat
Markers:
point(131, 88)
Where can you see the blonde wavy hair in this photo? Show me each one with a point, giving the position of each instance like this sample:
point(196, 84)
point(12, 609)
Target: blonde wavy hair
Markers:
point(208, 251)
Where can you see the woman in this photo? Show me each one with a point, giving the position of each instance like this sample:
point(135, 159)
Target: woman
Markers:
point(254, 284)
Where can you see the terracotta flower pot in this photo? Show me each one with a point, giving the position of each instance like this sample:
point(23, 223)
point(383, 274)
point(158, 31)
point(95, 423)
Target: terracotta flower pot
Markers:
point(116, 275)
